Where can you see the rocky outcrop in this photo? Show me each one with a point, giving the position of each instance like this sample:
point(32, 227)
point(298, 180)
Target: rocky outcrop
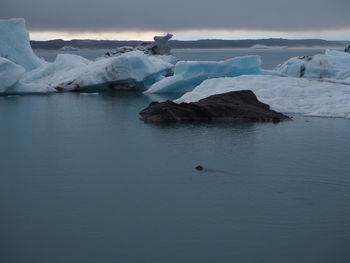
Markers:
point(236, 106)
point(160, 46)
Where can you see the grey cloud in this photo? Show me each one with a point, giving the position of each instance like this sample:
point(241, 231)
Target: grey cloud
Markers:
point(104, 15)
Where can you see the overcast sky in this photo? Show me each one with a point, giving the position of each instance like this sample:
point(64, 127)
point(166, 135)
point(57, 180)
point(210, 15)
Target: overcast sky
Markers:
point(179, 15)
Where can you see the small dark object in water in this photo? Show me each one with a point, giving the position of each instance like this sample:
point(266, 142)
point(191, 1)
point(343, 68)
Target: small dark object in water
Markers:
point(199, 168)
point(234, 107)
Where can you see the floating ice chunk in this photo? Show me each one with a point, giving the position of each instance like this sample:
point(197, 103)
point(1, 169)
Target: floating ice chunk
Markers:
point(29, 88)
point(327, 65)
point(344, 75)
point(160, 46)
point(14, 44)
point(283, 94)
point(69, 48)
point(168, 58)
point(189, 74)
point(66, 67)
point(130, 70)
point(260, 46)
point(69, 72)
point(10, 73)
point(337, 53)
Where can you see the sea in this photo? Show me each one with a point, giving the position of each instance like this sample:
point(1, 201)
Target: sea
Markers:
point(84, 180)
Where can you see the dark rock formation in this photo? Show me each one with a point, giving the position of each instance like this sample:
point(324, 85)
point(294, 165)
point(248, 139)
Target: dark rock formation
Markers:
point(347, 49)
point(236, 106)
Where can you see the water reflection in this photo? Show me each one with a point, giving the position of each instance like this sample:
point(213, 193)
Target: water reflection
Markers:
point(83, 179)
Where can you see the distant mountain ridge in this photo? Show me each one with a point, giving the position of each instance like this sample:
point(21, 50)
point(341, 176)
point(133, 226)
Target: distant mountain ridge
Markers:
point(204, 43)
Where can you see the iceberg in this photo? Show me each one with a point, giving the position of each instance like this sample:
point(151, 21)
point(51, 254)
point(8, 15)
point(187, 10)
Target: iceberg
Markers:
point(332, 64)
point(52, 74)
point(21, 71)
point(284, 94)
point(344, 75)
point(10, 73)
point(132, 70)
point(189, 74)
point(260, 46)
point(29, 88)
point(15, 45)
point(160, 46)
point(128, 71)
point(69, 48)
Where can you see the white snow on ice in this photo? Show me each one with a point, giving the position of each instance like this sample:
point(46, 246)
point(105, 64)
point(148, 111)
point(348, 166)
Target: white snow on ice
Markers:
point(14, 44)
point(133, 70)
point(332, 64)
point(71, 72)
point(284, 94)
point(10, 73)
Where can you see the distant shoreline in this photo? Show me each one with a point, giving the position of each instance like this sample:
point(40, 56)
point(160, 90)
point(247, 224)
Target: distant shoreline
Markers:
point(202, 44)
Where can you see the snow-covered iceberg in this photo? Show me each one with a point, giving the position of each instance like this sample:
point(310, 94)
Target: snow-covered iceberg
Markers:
point(130, 70)
point(260, 46)
point(160, 46)
point(70, 72)
point(21, 71)
point(133, 70)
point(69, 48)
point(332, 64)
point(15, 45)
point(29, 88)
point(283, 94)
point(189, 74)
point(10, 73)
point(53, 73)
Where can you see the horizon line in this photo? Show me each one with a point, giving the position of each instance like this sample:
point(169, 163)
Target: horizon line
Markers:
point(192, 35)
point(191, 40)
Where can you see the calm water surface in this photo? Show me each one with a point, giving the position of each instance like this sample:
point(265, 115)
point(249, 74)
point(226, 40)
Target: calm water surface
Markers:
point(84, 180)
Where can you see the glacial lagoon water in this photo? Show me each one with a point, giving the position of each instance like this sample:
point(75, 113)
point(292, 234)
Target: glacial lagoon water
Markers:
point(82, 179)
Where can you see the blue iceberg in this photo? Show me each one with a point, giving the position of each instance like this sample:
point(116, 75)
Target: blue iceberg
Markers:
point(21, 71)
point(189, 74)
